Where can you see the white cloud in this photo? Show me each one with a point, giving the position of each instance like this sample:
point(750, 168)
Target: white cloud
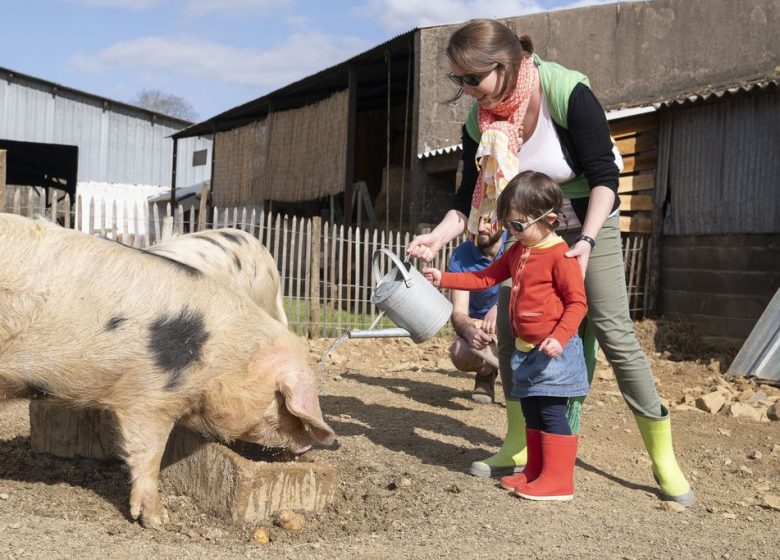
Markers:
point(132, 5)
point(297, 57)
point(400, 15)
point(397, 15)
point(200, 8)
point(235, 8)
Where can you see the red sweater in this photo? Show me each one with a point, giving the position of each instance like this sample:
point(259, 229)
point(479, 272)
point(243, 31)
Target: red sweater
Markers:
point(548, 293)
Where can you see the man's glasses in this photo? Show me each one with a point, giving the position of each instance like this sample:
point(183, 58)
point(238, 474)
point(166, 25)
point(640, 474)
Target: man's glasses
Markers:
point(520, 227)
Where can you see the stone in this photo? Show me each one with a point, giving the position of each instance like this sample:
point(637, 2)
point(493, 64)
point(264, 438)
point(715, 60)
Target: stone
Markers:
point(4, 496)
point(758, 396)
point(289, 520)
point(772, 501)
point(711, 402)
point(746, 470)
point(229, 483)
point(755, 455)
point(741, 410)
point(773, 412)
point(673, 507)
point(261, 536)
point(775, 450)
point(730, 515)
point(745, 395)
point(724, 432)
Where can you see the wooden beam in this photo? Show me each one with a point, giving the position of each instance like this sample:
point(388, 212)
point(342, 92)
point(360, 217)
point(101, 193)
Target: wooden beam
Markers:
point(632, 183)
point(634, 203)
point(349, 171)
point(635, 225)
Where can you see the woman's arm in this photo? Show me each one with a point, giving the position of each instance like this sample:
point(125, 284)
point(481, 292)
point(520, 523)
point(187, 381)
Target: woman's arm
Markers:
point(593, 145)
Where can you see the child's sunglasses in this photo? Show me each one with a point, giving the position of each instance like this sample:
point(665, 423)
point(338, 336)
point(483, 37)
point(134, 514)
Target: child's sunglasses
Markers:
point(520, 227)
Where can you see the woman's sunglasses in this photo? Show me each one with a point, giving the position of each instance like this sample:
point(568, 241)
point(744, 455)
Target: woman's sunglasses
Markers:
point(472, 80)
point(520, 227)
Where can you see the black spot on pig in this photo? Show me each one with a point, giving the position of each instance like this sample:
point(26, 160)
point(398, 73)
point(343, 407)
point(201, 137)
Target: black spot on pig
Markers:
point(185, 268)
point(176, 342)
point(237, 261)
point(211, 240)
point(114, 323)
point(232, 237)
point(34, 390)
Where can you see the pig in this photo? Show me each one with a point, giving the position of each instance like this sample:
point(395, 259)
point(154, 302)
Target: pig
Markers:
point(97, 324)
point(233, 257)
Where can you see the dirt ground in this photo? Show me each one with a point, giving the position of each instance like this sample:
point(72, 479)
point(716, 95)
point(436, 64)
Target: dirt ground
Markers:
point(407, 433)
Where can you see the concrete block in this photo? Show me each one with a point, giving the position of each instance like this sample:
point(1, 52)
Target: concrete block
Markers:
point(228, 483)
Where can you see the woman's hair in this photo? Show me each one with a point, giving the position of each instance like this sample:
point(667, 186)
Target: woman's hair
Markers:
point(483, 44)
point(530, 194)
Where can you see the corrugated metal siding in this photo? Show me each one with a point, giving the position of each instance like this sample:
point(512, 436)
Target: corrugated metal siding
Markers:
point(724, 167)
point(760, 355)
point(116, 144)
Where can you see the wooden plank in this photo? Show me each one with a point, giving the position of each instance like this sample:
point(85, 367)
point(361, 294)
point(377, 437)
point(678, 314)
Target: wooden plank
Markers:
point(17, 205)
point(640, 162)
point(637, 202)
point(203, 207)
point(633, 126)
point(635, 224)
point(634, 144)
point(633, 183)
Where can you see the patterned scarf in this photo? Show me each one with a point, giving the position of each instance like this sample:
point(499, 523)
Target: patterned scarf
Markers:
point(502, 137)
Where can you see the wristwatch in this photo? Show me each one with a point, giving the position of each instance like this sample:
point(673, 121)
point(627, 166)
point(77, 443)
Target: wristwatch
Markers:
point(589, 240)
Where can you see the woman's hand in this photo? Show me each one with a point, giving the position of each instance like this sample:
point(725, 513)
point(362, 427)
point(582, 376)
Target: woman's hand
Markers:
point(489, 320)
point(424, 246)
point(551, 347)
point(581, 251)
point(432, 275)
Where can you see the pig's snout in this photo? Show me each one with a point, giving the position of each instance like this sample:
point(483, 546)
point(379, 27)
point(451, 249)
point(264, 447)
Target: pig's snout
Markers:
point(300, 450)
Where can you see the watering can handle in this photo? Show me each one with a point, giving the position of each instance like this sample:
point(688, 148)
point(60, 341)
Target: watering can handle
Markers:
point(398, 263)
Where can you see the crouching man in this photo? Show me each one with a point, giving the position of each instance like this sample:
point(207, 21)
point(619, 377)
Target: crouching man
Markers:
point(474, 313)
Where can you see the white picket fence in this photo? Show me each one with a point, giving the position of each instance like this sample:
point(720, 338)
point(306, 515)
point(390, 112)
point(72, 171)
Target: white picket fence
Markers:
point(326, 269)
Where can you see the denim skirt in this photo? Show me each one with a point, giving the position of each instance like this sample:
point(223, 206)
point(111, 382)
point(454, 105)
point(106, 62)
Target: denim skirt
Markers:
point(534, 374)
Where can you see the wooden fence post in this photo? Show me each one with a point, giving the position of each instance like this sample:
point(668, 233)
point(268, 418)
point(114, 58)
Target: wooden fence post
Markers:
point(314, 287)
point(2, 180)
point(203, 210)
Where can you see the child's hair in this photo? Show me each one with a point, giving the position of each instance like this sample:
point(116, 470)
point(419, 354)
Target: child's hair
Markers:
point(531, 194)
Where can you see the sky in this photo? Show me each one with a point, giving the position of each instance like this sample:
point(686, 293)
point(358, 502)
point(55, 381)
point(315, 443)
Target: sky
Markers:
point(216, 54)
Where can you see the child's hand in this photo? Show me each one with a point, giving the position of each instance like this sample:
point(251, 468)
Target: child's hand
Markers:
point(551, 347)
point(432, 275)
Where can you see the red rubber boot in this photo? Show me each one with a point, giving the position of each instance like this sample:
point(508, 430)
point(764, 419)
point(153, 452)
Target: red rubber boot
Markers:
point(556, 482)
point(533, 466)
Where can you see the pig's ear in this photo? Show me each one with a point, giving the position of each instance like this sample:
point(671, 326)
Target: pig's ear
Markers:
point(301, 399)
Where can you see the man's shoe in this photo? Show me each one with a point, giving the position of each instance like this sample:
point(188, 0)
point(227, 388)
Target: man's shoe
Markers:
point(484, 388)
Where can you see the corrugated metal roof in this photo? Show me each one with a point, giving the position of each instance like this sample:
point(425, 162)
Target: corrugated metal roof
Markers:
point(440, 151)
point(116, 142)
point(760, 354)
point(759, 83)
point(59, 87)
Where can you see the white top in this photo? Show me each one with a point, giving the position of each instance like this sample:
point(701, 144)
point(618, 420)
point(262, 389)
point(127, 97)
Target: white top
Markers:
point(542, 152)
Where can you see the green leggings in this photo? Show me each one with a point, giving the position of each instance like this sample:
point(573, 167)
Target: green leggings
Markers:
point(608, 325)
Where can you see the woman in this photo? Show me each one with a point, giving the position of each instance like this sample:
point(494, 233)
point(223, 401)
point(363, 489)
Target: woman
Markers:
point(529, 114)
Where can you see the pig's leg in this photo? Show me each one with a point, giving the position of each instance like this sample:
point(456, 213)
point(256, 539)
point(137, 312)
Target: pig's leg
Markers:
point(144, 443)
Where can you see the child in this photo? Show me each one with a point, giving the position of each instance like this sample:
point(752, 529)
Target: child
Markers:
point(546, 307)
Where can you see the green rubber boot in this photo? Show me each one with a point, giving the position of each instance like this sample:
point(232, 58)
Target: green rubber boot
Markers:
point(590, 348)
point(657, 436)
point(512, 455)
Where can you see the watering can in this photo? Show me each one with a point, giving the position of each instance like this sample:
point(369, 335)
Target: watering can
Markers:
point(408, 299)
